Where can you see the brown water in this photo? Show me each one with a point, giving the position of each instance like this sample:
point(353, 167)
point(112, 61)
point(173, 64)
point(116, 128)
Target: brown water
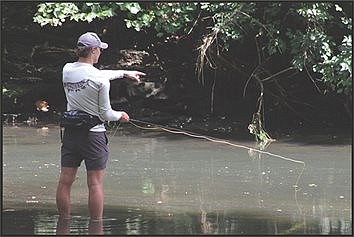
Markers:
point(158, 183)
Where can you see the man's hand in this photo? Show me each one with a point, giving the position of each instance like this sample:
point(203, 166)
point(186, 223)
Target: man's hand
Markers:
point(134, 75)
point(124, 118)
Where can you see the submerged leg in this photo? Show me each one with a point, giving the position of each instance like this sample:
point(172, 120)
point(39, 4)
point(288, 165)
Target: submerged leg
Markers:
point(63, 226)
point(95, 227)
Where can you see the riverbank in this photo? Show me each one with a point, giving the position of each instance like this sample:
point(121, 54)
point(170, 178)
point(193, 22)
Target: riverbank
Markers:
point(218, 127)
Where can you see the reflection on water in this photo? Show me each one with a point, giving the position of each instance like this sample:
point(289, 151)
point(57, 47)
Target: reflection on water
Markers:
point(161, 184)
point(138, 222)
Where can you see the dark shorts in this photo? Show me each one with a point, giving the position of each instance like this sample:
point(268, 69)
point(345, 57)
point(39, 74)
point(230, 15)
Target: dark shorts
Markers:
point(79, 145)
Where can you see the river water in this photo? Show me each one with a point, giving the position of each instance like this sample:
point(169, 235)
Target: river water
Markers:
point(163, 184)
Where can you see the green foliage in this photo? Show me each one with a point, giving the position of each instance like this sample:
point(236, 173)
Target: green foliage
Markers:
point(316, 50)
point(55, 14)
point(337, 69)
point(311, 47)
point(165, 18)
point(229, 19)
point(256, 128)
point(300, 31)
point(12, 92)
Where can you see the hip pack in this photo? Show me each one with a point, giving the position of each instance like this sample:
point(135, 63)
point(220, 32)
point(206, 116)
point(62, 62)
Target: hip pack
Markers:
point(78, 119)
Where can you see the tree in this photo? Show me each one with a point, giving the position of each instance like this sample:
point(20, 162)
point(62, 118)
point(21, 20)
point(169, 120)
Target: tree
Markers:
point(306, 37)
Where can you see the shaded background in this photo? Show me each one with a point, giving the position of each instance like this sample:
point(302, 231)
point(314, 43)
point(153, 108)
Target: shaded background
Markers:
point(33, 57)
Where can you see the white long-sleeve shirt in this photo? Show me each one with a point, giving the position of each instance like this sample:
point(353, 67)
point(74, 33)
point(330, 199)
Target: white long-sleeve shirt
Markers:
point(87, 89)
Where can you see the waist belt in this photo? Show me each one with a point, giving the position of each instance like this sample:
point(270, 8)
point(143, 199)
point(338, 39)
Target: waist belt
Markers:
point(76, 119)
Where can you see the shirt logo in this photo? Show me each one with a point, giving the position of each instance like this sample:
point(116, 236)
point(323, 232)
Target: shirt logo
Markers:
point(75, 86)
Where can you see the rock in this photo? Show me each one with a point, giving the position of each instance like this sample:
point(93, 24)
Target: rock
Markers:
point(132, 58)
point(152, 85)
point(52, 55)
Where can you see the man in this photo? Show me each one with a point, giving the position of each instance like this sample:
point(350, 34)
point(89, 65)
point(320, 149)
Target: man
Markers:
point(87, 89)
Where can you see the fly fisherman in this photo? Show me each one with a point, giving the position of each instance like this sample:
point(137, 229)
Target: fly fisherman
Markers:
point(87, 90)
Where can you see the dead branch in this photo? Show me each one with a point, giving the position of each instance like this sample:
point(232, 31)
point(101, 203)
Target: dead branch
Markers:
point(309, 75)
point(278, 73)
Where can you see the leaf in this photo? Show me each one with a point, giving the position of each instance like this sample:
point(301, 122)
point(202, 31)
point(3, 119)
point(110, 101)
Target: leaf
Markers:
point(338, 8)
point(137, 26)
point(128, 23)
point(204, 5)
point(344, 66)
point(134, 10)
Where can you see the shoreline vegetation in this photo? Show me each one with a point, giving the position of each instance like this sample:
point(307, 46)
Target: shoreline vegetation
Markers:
point(220, 129)
point(172, 94)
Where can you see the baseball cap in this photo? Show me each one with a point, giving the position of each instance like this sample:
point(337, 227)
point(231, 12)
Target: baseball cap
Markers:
point(91, 39)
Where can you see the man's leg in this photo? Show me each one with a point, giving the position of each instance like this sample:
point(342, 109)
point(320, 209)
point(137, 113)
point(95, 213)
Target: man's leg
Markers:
point(96, 196)
point(67, 177)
